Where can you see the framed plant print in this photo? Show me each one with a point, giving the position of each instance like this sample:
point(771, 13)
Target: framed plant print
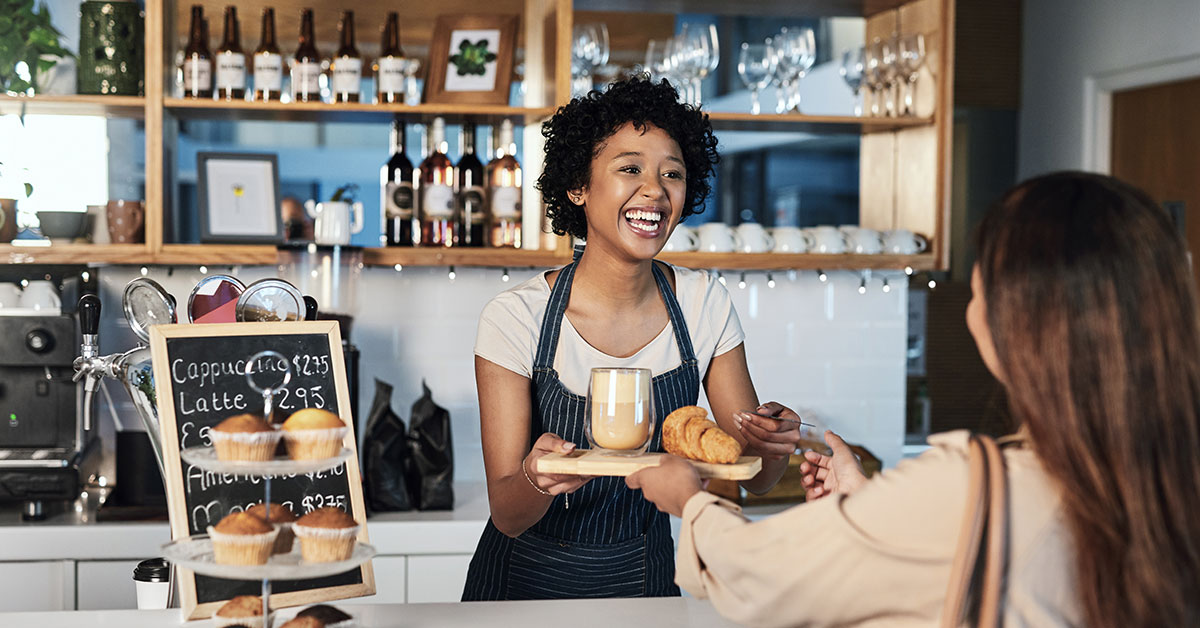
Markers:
point(471, 59)
point(239, 198)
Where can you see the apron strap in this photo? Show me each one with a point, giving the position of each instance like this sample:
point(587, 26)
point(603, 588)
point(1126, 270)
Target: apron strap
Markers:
point(556, 308)
point(683, 338)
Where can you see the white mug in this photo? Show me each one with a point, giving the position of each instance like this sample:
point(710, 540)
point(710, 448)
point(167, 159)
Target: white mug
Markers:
point(10, 294)
point(41, 295)
point(98, 229)
point(827, 239)
point(336, 221)
point(682, 239)
point(904, 242)
point(861, 240)
point(752, 237)
point(791, 240)
point(717, 237)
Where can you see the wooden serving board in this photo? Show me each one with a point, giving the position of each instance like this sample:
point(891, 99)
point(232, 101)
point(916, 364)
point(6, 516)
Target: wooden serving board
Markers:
point(588, 462)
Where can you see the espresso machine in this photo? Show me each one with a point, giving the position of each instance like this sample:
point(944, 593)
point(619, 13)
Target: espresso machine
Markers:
point(46, 447)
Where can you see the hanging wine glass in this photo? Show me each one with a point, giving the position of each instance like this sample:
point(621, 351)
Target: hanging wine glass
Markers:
point(889, 64)
point(875, 75)
point(756, 64)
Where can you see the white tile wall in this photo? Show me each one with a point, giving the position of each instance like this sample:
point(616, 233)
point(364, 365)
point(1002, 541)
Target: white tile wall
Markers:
point(821, 346)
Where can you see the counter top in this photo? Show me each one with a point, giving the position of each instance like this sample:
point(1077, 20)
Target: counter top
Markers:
point(657, 612)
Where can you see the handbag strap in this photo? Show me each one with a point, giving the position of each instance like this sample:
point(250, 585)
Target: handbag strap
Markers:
point(986, 510)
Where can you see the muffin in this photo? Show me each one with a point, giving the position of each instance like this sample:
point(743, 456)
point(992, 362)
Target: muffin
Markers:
point(329, 616)
point(244, 437)
point(312, 434)
point(242, 539)
point(304, 622)
point(326, 535)
point(282, 519)
point(243, 610)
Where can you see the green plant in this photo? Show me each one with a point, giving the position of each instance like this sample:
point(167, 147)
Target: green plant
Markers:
point(28, 185)
point(345, 194)
point(26, 34)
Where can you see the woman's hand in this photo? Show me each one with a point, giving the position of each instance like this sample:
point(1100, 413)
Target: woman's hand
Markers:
point(824, 475)
point(669, 485)
point(769, 438)
point(552, 483)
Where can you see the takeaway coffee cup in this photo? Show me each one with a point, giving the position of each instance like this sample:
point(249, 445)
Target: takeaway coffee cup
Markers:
point(153, 581)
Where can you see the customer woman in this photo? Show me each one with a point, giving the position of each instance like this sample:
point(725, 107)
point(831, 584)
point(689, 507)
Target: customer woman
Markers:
point(622, 168)
point(1084, 309)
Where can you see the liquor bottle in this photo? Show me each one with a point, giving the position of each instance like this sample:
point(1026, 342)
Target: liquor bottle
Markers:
point(470, 189)
point(197, 60)
point(346, 68)
point(391, 64)
point(306, 65)
point(231, 61)
point(439, 224)
point(504, 192)
point(396, 183)
point(268, 63)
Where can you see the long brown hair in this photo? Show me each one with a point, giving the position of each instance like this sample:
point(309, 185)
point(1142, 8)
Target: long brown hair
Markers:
point(1093, 313)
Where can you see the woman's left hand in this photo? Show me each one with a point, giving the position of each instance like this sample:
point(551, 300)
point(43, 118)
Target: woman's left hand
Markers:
point(769, 438)
point(669, 485)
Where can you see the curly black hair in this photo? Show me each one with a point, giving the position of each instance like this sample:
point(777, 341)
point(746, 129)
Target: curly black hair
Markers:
point(577, 132)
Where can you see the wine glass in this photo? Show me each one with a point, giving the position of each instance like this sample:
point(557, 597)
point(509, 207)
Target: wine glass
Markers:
point(852, 72)
point(619, 415)
point(804, 54)
point(875, 75)
point(912, 56)
point(756, 64)
point(889, 67)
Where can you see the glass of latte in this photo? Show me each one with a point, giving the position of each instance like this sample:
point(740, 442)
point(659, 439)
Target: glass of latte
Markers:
point(620, 411)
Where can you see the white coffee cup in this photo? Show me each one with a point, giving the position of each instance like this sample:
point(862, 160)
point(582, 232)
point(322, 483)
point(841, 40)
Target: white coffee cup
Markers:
point(41, 295)
point(827, 239)
point(904, 242)
point(717, 237)
point(10, 294)
point(791, 240)
point(682, 239)
point(862, 240)
point(752, 237)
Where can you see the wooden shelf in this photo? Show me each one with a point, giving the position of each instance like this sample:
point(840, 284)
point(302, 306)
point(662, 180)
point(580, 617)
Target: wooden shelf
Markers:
point(362, 112)
point(491, 258)
point(806, 261)
point(75, 254)
point(774, 8)
point(118, 106)
point(731, 121)
point(217, 254)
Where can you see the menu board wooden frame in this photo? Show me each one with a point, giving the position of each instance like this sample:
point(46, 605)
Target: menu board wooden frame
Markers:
point(177, 507)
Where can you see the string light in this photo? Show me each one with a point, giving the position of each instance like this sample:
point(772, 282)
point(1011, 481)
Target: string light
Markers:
point(24, 283)
point(720, 278)
point(314, 273)
point(908, 270)
point(886, 287)
point(932, 283)
point(452, 274)
point(145, 271)
point(86, 276)
point(204, 270)
point(770, 281)
point(862, 285)
point(742, 282)
point(398, 267)
point(504, 277)
point(822, 276)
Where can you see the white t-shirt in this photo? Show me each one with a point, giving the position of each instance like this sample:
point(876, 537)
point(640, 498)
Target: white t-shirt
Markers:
point(511, 323)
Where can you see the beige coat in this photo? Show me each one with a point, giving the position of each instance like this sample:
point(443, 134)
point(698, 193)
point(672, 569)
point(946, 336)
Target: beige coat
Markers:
point(882, 555)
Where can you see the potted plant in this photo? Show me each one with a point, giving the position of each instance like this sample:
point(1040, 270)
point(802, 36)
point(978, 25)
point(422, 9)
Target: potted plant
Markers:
point(338, 218)
point(28, 44)
point(8, 210)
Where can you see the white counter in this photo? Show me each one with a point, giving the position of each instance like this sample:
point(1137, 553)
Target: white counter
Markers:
point(656, 612)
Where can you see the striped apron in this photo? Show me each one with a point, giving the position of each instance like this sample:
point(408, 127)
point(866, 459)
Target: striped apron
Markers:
point(610, 542)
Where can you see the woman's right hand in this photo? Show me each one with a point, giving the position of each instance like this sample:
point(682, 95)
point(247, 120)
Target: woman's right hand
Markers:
point(824, 475)
point(553, 483)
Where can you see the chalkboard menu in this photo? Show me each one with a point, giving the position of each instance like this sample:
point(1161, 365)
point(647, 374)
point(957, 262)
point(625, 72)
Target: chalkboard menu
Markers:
point(199, 373)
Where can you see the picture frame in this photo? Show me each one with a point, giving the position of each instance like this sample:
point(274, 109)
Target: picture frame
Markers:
point(238, 198)
point(471, 59)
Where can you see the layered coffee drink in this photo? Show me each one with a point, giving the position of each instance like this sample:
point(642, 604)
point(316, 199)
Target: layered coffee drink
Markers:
point(621, 412)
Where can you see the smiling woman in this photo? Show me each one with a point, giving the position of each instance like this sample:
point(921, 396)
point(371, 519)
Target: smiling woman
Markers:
point(622, 168)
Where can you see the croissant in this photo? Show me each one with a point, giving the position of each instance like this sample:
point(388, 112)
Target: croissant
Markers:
point(689, 433)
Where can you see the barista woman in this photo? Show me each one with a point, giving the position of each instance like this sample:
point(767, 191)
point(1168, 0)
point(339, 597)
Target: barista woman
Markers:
point(622, 168)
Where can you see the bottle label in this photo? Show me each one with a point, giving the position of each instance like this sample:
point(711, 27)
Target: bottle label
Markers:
point(197, 74)
point(437, 201)
point(391, 75)
point(398, 199)
point(231, 70)
point(347, 75)
point(471, 202)
point(268, 72)
point(506, 202)
point(306, 77)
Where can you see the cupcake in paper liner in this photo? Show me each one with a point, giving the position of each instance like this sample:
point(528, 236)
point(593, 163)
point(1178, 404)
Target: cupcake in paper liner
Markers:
point(312, 434)
point(243, 610)
point(244, 437)
point(242, 539)
point(326, 535)
point(328, 616)
point(282, 518)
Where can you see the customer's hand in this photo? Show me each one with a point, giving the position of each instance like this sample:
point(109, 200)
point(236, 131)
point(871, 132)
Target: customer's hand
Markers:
point(669, 485)
point(553, 483)
point(769, 438)
point(824, 475)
